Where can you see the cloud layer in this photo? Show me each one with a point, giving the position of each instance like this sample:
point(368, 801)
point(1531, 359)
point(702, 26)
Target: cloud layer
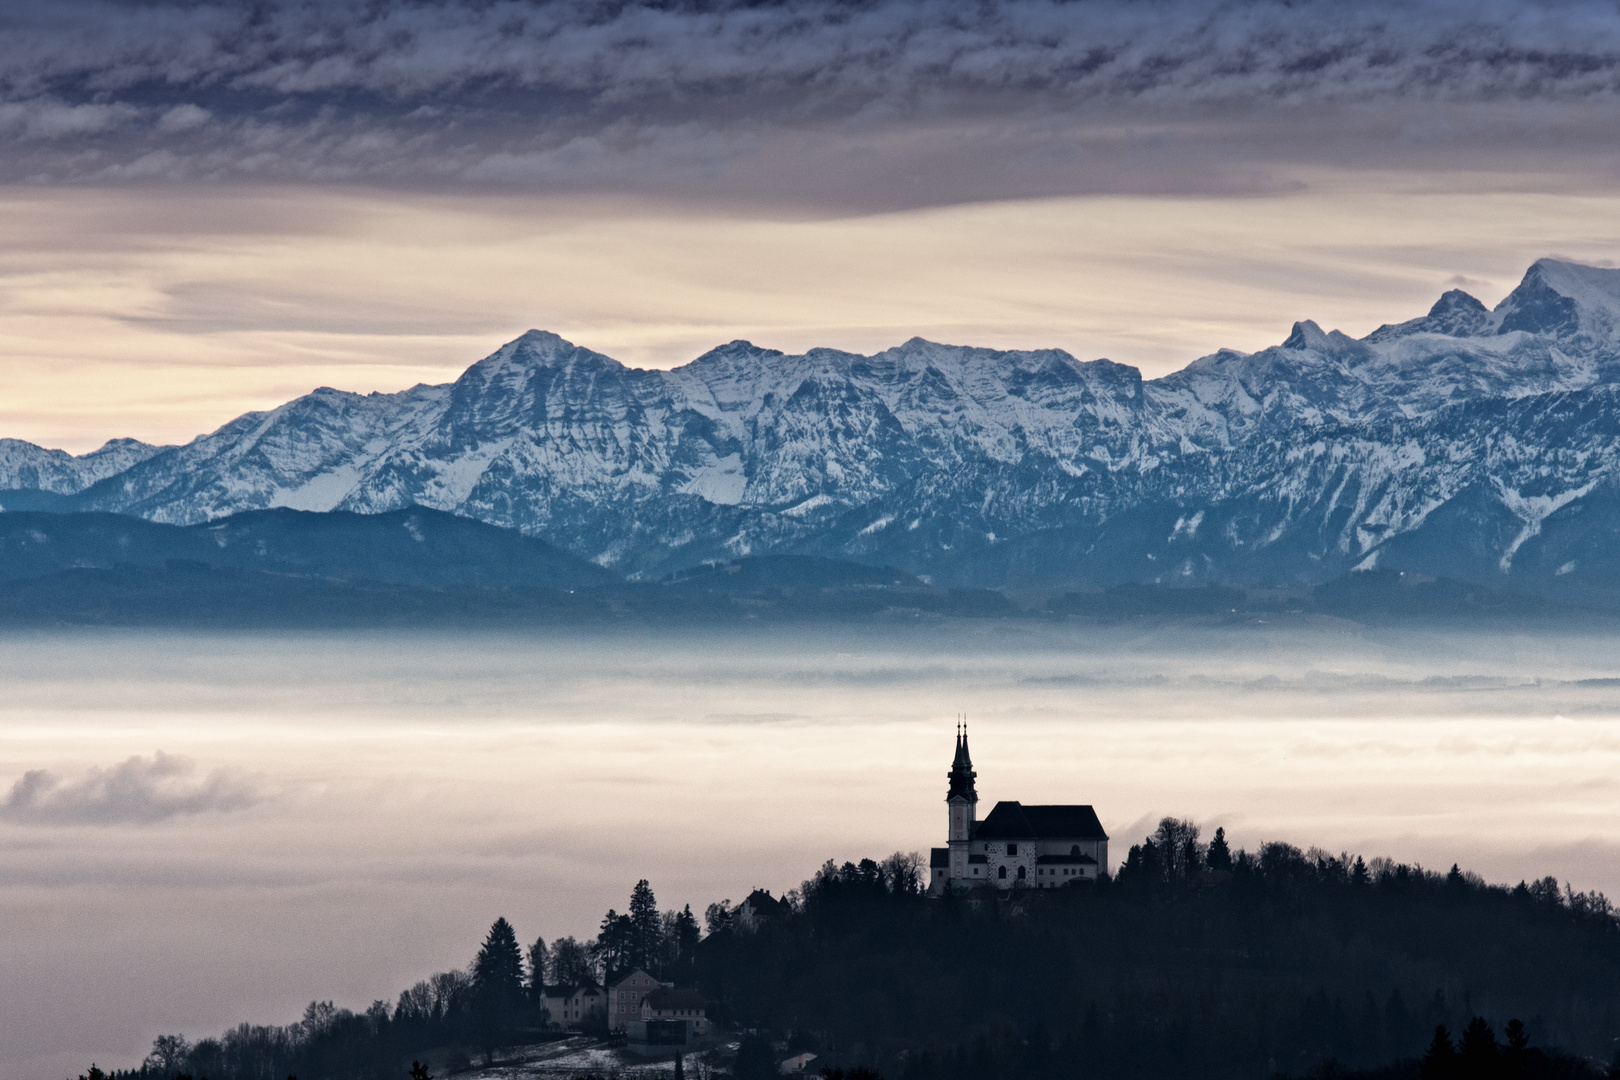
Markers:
point(799, 97)
point(137, 790)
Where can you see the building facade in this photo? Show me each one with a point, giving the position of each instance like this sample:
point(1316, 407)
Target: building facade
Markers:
point(1015, 846)
point(624, 997)
point(677, 1003)
point(573, 1007)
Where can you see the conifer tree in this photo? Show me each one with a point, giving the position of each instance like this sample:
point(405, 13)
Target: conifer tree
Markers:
point(498, 998)
point(1440, 1059)
point(646, 928)
point(1219, 856)
point(1478, 1053)
point(498, 970)
point(537, 969)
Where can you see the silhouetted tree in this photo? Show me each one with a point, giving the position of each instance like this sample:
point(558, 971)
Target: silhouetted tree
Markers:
point(537, 969)
point(168, 1054)
point(497, 974)
point(644, 934)
point(1440, 1059)
point(904, 872)
point(419, 1071)
point(1515, 1045)
point(1478, 1055)
point(570, 962)
point(717, 917)
point(1219, 856)
point(1177, 844)
point(612, 948)
point(687, 931)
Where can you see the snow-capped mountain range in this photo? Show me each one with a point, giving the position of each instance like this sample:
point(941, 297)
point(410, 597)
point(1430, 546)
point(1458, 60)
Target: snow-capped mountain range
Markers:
point(1470, 442)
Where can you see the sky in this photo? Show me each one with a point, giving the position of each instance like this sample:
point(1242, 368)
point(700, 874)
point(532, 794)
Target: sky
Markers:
point(207, 208)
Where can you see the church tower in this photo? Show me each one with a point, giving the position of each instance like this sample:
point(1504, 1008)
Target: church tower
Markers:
point(962, 802)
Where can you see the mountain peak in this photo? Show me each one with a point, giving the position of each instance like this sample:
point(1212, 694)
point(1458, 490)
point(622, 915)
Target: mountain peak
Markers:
point(1455, 314)
point(738, 349)
point(536, 349)
point(1561, 299)
point(1306, 335)
point(1453, 301)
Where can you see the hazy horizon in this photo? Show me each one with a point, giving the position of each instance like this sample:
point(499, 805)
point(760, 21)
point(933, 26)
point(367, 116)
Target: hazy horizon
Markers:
point(234, 824)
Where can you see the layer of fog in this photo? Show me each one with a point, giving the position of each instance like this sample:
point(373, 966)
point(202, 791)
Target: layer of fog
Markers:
point(199, 830)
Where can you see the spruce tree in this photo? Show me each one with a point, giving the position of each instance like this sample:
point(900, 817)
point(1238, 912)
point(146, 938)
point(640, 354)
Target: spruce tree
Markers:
point(1478, 1053)
point(646, 928)
point(1219, 856)
point(1440, 1059)
point(537, 969)
point(498, 986)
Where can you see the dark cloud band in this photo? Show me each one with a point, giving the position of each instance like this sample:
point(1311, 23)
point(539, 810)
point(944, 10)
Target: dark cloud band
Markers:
point(824, 50)
point(770, 98)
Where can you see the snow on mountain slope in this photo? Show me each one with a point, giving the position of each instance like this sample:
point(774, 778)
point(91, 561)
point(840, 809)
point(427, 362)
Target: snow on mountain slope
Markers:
point(24, 466)
point(973, 466)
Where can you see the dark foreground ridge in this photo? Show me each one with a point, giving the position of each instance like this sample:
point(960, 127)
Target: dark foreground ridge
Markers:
point(1193, 961)
point(427, 568)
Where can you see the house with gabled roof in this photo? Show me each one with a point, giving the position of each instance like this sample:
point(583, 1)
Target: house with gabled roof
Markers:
point(573, 1006)
point(1016, 846)
point(624, 996)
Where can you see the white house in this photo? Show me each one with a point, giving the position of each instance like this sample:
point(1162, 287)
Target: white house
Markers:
point(571, 1007)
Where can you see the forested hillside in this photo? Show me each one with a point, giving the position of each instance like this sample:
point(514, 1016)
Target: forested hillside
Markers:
point(1191, 962)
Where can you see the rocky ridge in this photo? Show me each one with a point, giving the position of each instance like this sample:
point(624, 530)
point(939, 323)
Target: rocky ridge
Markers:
point(1481, 443)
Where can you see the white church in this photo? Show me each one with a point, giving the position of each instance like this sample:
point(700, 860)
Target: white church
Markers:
point(1016, 846)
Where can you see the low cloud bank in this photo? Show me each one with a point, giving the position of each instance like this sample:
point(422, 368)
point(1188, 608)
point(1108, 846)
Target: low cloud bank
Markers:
point(135, 791)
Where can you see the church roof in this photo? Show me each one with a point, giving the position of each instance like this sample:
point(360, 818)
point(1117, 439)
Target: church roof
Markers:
point(1015, 821)
point(1066, 860)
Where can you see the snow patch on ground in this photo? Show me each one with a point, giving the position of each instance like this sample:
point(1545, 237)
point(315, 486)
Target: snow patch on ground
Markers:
point(580, 1056)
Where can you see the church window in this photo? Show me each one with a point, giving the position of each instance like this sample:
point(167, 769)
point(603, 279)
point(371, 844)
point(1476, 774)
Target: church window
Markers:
point(1020, 873)
point(1075, 850)
point(1001, 871)
point(1012, 849)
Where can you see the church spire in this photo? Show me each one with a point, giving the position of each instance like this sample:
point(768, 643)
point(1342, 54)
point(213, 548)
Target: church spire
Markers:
point(962, 775)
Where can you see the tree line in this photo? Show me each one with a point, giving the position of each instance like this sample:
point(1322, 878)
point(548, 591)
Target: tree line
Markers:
point(492, 1003)
point(1193, 960)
